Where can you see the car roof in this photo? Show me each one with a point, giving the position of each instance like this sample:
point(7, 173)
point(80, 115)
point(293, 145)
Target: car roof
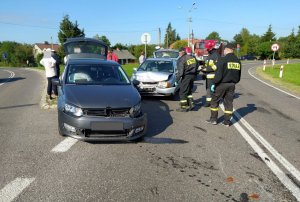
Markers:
point(172, 50)
point(79, 39)
point(160, 59)
point(91, 61)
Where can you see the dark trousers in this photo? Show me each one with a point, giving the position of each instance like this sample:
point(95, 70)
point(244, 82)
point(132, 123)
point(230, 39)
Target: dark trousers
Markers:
point(186, 86)
point(51, 87)
point(57, 71)
point(223, 91)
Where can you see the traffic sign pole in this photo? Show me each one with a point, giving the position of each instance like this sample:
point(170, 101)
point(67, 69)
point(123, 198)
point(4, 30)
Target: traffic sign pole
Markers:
point(145, 38)
point(274, 48)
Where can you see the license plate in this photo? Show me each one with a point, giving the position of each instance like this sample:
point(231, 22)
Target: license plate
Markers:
point(107, 126)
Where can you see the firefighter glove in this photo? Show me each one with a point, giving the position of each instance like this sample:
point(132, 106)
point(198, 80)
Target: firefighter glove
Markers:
point(213, 88)
point(211, 63)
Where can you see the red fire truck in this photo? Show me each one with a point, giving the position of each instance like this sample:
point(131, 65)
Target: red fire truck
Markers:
point(201, 53)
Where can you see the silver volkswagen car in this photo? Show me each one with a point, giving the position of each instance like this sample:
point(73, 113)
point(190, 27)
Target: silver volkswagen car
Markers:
point(97, 100)
point(156, 76)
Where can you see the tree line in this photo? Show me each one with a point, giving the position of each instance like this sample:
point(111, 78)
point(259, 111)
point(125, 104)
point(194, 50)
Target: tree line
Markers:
point(17, 54)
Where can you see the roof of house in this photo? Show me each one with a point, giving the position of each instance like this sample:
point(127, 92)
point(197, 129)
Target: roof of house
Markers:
point(124, 54)
point(43, 46)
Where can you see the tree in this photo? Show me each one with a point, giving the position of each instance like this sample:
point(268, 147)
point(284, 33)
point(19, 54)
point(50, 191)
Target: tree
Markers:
point(17, 54)
point(68, 29)
point(120, 46)
point(171, 36)
point(214, 36)
point(179, 44)
point(254, 41)
point(269, 35)
point(102, 38)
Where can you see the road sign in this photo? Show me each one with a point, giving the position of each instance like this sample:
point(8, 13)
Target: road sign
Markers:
point(146, 38)
point(4, 55)
point(275, 47)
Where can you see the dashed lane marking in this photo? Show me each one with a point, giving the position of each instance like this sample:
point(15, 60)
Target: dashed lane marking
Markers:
point(14, 188)
point(64, 145)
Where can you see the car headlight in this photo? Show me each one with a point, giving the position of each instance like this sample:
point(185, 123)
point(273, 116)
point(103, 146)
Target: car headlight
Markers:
point(75, 111)
point(164, 84)
point(135, 110)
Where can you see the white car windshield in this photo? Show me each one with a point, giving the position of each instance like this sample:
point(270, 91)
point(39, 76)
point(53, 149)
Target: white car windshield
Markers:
point(157, 66)
point(96, 75)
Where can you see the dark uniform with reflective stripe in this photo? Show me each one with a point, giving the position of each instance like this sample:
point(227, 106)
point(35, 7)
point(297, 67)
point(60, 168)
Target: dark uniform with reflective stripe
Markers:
point(227, 75)
point(187, 66)
point(209, 72)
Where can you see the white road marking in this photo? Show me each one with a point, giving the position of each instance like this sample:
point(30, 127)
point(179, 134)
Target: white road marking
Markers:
point(64, 145)
point(12, 74)
point(271, 85)
point(274, 168)
point(14, 188)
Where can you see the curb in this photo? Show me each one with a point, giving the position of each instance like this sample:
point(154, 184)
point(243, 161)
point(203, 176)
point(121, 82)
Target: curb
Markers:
point(43, 103)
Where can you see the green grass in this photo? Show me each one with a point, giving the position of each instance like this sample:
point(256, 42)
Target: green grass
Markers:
point(129, 68)
point(291, 73)
point(290, 79)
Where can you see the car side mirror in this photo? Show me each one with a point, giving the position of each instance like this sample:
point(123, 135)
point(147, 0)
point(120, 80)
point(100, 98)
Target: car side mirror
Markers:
point(56, 81)
point(135, 82)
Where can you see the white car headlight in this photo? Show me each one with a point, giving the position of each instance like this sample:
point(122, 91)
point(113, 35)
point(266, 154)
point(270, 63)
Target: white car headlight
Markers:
point(164, 84)
point(135, 110)
point(75, 111)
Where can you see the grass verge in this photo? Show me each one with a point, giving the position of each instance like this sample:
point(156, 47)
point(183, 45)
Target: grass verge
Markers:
point(290, 79)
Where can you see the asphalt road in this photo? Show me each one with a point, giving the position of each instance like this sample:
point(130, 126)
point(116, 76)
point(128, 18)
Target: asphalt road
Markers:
point(182, 158)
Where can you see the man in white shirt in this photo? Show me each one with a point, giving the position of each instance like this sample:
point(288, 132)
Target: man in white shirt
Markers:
point(142, 57)
point(49, 63)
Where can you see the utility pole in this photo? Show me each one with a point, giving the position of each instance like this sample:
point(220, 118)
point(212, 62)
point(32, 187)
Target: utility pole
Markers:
point(189, 22)
point(159, 36)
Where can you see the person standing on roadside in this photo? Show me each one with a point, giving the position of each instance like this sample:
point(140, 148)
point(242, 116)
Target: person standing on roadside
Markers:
point(49, 63)
point(142, 57)
point(227, 75)
point(56, 58)
point(210, 68)
point(112, 56)
point(187, 66)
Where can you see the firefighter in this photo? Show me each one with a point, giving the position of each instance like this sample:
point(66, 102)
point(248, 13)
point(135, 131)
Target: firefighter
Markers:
point(187, 66)
point(210, 67)
point(227, 75)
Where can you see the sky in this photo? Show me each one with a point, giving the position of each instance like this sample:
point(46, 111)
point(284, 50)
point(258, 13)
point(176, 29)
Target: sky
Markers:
point(124, 21)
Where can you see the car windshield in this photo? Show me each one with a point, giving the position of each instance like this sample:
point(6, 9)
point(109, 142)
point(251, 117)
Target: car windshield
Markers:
point(96, 75)
point(200, 45)
point(157, 66)
point(166, 54)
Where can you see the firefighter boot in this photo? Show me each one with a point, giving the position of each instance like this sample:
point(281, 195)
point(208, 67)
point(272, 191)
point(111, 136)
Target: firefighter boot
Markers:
point(183, 106)
point(191, 102)
point(213, 118)
point(227, 121)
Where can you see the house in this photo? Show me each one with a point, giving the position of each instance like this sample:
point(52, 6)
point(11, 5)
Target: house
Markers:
point(39, 48)
point(124, 56)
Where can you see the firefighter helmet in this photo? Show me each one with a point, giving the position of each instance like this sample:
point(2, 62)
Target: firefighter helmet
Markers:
point(210, 44)
point(188, 50)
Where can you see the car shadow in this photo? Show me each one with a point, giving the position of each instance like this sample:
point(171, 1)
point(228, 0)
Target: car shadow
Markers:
point(159, 119)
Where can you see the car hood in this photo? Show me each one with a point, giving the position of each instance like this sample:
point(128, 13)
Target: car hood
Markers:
point(152, 76)
point(101, 96)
